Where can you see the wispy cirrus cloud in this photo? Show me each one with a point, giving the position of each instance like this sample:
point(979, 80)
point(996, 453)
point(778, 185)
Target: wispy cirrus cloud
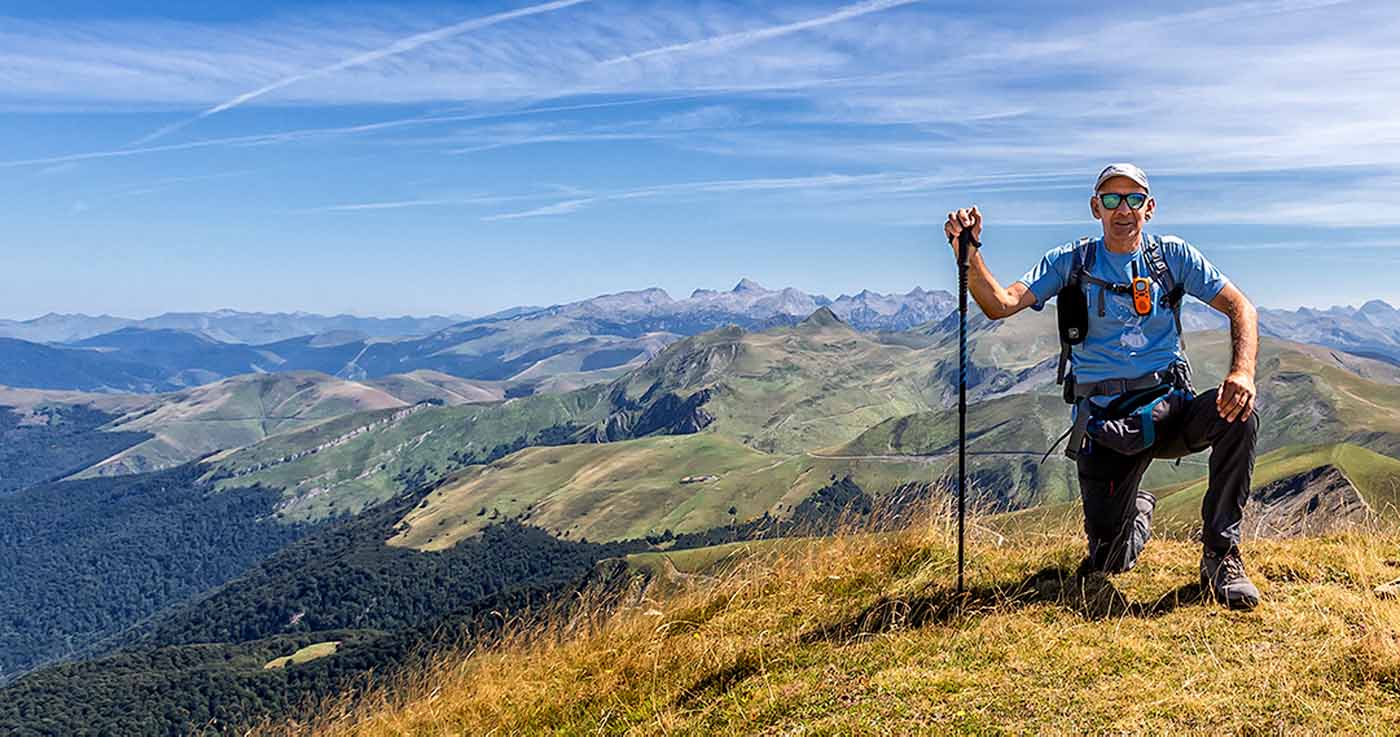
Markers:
point(882, 85)
point(822, 182)
point(398, 47)
point(730, 41)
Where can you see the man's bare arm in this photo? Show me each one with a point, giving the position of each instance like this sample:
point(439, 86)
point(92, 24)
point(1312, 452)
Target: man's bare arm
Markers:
point(996, 302)
point(1235, 400)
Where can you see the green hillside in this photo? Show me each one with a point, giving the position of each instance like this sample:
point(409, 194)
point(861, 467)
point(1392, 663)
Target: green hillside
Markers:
point(1007, 438)
point(358, 460)
point(234, 413)
point(632, 488)
point(821, 383)
point(816, 397)
point(1375, 476)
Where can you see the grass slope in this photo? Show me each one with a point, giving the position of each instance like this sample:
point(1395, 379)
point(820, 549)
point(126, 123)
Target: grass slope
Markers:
point(783, 390)
point(359, 460)
point(304, 655)
point(627, 489)
point(864, 635)
point(787, 390)
point(234, 413)
point(1375, 476)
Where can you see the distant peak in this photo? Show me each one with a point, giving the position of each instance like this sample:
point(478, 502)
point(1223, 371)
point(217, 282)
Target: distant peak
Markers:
point(1376, 306)
point(823, 317)
point(748, 285)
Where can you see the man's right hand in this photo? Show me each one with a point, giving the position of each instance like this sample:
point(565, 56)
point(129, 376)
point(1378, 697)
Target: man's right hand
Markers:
point(960, 220)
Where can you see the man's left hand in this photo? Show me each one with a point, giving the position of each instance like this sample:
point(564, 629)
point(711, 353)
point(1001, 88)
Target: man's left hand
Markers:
point(1235, 398)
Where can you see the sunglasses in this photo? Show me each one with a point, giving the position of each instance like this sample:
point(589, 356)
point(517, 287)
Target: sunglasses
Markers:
point(1111, 200)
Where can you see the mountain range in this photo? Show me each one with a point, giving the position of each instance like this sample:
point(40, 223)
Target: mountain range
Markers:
point(528, 349)
point(226, 326)
point(325, 501)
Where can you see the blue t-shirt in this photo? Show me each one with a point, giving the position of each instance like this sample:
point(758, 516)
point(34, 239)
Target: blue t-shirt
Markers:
point(1121, 344)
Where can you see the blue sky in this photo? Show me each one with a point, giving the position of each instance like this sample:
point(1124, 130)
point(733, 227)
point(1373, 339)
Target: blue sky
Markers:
point(465, 157)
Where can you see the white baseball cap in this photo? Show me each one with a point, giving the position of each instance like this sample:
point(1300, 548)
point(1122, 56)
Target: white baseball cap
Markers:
point(1122, 169)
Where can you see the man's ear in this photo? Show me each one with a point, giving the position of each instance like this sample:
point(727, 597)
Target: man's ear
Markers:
point(1151, 207)
point(1094, 208)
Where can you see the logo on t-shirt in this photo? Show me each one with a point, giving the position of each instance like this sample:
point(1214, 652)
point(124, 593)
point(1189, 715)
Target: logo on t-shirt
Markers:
point(1133, 337)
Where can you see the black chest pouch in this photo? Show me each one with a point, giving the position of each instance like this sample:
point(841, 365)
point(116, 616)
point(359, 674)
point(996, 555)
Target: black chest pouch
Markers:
point(1072, 310)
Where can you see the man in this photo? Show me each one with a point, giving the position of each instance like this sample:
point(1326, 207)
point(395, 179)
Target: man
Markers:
point(1130, 347)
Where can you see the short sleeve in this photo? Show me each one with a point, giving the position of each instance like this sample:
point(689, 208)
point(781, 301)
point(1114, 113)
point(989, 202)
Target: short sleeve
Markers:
point(1198, 275)
point(1049, 276)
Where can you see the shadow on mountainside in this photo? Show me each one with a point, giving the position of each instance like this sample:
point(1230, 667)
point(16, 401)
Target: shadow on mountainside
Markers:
point(1093, 598)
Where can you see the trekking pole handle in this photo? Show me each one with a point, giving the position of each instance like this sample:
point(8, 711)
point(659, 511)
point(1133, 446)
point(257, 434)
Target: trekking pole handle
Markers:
point(965, 245)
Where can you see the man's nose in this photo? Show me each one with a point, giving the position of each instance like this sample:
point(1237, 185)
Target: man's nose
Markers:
point(1123, 205)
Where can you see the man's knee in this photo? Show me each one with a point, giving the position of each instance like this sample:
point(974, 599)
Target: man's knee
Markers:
point(1218, 428)
point(1245, 431)
point(1121, 554)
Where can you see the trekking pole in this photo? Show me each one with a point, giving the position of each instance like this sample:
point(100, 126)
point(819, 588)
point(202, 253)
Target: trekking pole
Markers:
point(965, 242)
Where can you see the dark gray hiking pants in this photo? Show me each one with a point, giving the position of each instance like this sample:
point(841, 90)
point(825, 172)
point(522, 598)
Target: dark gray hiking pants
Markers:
point(1118, 516)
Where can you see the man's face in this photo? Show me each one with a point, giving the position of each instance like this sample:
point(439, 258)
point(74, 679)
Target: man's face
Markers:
point(1124, 223)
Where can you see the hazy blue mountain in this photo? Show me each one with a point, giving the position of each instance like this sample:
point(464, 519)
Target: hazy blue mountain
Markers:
point(869, 310)
point(47, 367)
point(57, 328)
point(1372, 330)
point(186, 358)
point(530, 349)
point(227, 326)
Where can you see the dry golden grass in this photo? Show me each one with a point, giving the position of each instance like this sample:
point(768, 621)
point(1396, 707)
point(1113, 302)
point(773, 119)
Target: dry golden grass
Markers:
point(862, 634)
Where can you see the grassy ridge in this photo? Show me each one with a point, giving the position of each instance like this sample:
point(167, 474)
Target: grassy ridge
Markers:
point(234, 413)
point(361, 458)
point(632, 488)
point(1375, 476)
point(863, 635)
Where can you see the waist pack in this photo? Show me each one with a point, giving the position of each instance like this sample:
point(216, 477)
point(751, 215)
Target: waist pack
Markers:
point(1130, 423)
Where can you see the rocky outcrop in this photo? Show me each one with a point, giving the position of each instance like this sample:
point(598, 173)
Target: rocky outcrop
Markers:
point(339, 440)
point(654, 414)
point(1316, 502)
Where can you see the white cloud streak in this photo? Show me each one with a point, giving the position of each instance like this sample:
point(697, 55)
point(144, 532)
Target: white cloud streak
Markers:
point(730, 41)
point(401, 46)
point(926, 90)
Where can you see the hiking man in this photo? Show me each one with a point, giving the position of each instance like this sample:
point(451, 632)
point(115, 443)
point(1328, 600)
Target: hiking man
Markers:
point(1129, 380)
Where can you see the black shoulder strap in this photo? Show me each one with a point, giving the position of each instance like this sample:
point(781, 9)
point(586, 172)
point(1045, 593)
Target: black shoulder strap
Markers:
point(1084, 255)
point(1157, 262)
point(1172, 292)
point(1083, 252)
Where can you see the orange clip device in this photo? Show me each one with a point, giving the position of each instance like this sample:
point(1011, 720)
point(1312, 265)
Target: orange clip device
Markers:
point(1142, 295)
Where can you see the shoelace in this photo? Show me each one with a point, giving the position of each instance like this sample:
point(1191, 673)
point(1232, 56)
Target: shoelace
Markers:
point(1234, 566)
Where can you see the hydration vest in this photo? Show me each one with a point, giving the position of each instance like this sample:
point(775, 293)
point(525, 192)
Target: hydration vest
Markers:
point(1072, 305)
point(1072, 312)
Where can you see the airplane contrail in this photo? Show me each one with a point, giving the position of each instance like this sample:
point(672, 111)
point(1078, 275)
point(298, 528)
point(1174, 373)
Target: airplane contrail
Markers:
point(730, 40)
point(401, 46)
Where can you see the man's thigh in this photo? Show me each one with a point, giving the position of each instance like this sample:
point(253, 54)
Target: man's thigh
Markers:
point(1108, 485)
point(1190, 430)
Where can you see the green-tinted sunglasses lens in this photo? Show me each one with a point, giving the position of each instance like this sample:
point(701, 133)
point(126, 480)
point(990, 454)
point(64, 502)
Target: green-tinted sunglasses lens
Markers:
point(1111, 200)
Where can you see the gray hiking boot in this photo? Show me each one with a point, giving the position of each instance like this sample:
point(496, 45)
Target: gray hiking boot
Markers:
point(1223, 579)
